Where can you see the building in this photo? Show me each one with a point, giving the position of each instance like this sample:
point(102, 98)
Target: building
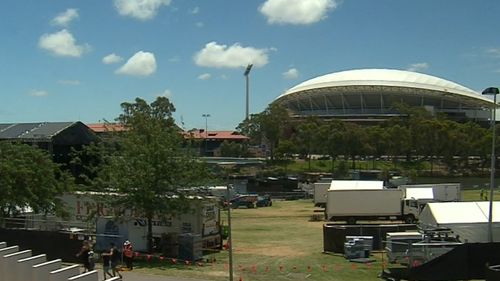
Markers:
point(58, 138)
point(366, 95)
point(210, 141)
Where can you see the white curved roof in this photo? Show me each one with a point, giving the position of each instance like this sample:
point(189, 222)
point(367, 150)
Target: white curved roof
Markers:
point(386, 77)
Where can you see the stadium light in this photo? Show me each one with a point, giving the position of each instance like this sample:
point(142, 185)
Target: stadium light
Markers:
point(492, 91)
point(206, 115)
point(247, 73)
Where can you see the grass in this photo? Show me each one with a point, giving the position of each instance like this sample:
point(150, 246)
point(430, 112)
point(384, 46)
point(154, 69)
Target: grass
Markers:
point(274, 243)
point(278, 243)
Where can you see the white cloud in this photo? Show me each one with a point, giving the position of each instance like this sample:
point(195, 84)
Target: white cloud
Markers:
point(62, 44)
point(421, 66)
point(199, 24)
point(38, 93)
point(297, 11)
point(140, 64)
point(235, 56)
point(64, 18)
point(205, 76)
point(112, 58)
point(167, 93)
point(494, 52)
point(69, 82)
point(292, 73)
point(140, 9)
point(174, 59)
point(195, 10)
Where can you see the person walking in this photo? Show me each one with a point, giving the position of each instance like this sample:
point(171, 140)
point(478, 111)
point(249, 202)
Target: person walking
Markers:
point(106, 265)
point(86, 256)
point(128, 254)
point(114, 259)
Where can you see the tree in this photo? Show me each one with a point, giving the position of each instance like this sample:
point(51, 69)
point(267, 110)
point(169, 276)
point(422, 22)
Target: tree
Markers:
point(267, 127)
point(29, 179)
point(307, 138)
point(332, 134)
point(150, 166)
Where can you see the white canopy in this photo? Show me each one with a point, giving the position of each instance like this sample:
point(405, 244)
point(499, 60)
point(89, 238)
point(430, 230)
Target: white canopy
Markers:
point(352, 184)
point(469, 220)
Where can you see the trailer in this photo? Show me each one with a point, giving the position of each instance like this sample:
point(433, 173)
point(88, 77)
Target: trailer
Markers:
point(203, 219)
point(442, 192)
point(320, 191)
point(351, 205)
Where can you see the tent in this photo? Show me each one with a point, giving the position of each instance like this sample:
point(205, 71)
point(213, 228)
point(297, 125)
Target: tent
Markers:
point(469, 220)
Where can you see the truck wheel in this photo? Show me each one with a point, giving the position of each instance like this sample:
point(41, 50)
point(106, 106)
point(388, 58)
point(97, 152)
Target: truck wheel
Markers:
point(351, 220)
point(410, 219)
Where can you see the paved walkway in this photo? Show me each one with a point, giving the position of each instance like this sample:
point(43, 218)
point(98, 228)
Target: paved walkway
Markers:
point(139, 276)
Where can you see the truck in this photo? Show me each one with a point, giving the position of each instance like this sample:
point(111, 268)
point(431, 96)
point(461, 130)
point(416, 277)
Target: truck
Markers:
point(321, 188)
point(442, 192)
point(351, 205)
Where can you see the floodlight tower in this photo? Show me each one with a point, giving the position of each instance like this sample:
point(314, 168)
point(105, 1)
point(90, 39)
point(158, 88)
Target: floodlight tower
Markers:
point(247, 73)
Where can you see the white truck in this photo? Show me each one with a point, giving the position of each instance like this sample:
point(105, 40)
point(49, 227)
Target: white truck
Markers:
point(351, 205)
point(321, 188)
point(442, 192)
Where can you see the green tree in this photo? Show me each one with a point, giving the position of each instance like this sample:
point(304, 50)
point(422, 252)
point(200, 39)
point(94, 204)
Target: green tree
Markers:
point(30, 179)
point(307, 138)
point(331, 134)
point(151, 166)
point(267, 127)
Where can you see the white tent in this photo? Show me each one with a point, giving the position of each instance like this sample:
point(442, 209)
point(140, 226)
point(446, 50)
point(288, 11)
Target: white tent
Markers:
point(469, 220)
point(352, 184)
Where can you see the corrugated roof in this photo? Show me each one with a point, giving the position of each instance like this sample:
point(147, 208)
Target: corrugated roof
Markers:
point(42, 130)
point(103, 127)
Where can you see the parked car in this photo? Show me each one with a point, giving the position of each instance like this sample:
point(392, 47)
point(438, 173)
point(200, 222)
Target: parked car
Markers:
point(264, 201)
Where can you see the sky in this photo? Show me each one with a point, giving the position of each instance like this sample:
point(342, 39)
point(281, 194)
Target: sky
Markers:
point(69, 60)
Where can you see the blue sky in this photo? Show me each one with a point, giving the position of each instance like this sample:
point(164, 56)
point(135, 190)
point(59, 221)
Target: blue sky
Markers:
point(68, 60)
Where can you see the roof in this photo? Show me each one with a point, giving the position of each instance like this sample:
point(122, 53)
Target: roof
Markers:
point(106, 127)
point(216, 135)
point(389, 78)
point(459, 213)
point(38, 131)
point(350, 184)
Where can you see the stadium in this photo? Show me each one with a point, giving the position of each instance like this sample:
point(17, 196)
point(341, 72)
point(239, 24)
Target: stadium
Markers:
point(370, 95)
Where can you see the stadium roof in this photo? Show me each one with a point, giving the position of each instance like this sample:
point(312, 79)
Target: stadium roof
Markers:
point(41, 130)
point(388, 78)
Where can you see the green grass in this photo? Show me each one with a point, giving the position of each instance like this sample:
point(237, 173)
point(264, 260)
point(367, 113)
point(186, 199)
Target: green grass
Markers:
point(278, 243)
point(274, 243)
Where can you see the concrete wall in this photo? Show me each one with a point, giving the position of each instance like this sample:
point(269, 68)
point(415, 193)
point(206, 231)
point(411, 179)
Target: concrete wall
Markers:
point(3, 252)
point(41, 271)
point(54, 244)
point(24, 267)
point(87, 276)
point(9, 264)
point(64, 273)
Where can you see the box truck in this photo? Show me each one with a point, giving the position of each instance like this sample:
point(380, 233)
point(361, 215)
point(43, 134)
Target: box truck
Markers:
point(442, 192)
point(351, 205)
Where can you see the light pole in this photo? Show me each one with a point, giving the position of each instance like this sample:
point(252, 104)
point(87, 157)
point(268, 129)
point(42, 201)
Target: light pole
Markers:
point(229, 235)
point(206, 115)
point(247, 73)
point(492, 91)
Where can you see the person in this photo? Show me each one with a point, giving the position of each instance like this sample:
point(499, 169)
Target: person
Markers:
point(106, 265)
point(128, 254)
point(85, 256)
point(114, 257)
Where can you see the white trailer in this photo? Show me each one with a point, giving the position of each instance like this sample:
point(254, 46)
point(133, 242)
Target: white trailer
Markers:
point(203, 219)
point(442, 192)
point(351, 205)
point(320, 191)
